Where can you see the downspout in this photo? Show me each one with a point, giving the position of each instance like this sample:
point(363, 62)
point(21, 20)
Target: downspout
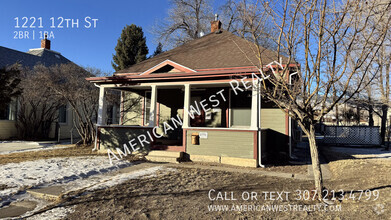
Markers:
point(290, 121)
point(259, 128)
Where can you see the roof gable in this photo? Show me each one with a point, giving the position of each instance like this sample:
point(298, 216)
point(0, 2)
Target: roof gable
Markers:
point(168, 66)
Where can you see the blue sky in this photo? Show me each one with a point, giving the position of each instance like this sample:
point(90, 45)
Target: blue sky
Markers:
point(84, 46)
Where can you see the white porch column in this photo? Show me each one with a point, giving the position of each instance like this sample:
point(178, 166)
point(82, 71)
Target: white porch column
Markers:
point(152, 111)
point(186, 119)
point(254, 108)
point(102, 107)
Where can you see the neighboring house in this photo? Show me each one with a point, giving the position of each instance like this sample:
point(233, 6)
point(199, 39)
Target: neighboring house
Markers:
point(44, 56)
point(228, 132)
point(354, 111)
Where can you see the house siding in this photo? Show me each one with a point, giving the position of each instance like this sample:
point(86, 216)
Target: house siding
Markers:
point(116, 137)
point(7, 129)
point(274, 119)
point(222, 143)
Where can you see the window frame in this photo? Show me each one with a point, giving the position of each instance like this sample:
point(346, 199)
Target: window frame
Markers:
point(66, 114)
point(230, 115)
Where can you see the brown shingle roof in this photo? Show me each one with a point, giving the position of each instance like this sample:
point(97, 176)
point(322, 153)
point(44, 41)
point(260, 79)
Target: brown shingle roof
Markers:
point(215, 50)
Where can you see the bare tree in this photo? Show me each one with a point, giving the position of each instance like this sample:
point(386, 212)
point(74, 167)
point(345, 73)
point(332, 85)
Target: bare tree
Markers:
point(384, 86)
point(68, 81)
point(246, 20)
point(378, 90)
point(186, 20)
point(38, 105)
point(229, 16)
point(316, 41)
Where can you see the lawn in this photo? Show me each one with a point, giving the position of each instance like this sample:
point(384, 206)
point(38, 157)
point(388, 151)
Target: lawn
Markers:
point(210, 191)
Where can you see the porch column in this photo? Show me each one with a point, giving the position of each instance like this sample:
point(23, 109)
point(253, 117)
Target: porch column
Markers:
point(186, 107)
point(102, 107)
point(152, 111)
point(254, 108)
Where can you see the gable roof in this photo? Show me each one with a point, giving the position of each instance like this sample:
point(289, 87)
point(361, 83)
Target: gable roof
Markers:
point(33, 57)
point(173, 67)
point(215, 50)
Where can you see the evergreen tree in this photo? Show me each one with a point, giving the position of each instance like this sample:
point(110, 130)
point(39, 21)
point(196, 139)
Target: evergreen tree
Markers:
point(158, 50)
point(131, 48)
point(9, 85)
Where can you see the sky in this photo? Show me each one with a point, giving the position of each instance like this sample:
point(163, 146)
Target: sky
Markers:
point(86, 45)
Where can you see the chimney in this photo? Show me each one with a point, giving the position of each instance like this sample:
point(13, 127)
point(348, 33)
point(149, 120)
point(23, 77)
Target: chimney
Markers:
point(215, 25)
point(45, 43)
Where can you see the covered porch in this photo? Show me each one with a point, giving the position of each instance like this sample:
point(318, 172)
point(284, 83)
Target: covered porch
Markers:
point(215, 120)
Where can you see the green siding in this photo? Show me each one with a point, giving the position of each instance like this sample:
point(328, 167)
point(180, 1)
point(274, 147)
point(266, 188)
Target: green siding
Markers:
point(274, 119)
point(222, 143)
point(116, 137)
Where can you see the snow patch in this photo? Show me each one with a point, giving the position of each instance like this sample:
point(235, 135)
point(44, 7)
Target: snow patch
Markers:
point(18, 176)
point(53, 214)
point(121, 178)
point(44, 147)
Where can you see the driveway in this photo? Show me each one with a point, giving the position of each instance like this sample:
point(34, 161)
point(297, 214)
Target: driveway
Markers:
point(364, 153)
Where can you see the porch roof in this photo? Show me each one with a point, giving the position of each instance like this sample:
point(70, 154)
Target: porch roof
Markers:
point(200, 75)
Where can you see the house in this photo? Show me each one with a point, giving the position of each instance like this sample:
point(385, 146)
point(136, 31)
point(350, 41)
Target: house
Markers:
point(44, 56)
point(184, 100)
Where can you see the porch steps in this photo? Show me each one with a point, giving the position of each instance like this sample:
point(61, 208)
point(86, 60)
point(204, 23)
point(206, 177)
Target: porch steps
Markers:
point(164, 156)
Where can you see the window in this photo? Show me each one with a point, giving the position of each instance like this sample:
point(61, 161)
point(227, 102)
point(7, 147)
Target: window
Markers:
point(4, 113)
point(240, 109)
point(62, 114)
point(109, 114)
point(9, 111)
point(147, 107)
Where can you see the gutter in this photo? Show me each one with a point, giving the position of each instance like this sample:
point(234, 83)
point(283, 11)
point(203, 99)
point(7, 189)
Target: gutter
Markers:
point(259, 122)
point(290, 120)
point(259, 129)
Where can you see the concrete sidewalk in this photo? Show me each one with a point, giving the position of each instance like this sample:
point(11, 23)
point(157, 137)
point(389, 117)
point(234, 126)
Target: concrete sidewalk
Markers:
point(16, 146)
point(52, 194)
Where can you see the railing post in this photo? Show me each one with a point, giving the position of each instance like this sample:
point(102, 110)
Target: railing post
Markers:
point(186, 119)
point(102, 107)
point(152, 111)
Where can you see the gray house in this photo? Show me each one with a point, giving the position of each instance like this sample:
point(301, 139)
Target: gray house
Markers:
point(44, 56)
